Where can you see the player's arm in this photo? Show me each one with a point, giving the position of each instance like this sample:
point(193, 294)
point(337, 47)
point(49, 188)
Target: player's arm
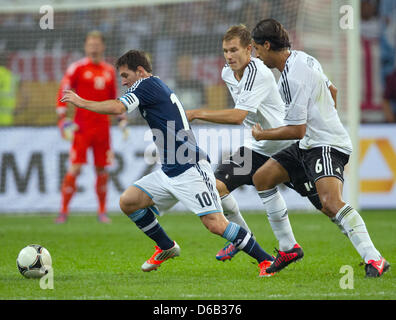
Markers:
point(61, 107)
point(333, 91)
point(290, 132)
point(65, 125)
point(113, 107)
point(227, 116)
point(295, 118)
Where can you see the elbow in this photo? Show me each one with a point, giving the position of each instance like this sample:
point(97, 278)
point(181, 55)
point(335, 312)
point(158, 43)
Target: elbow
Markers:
point(238, 116)
point(297, 132)
point(119, 112)
point(118, 109)
point(301, 132)
point(239, 121)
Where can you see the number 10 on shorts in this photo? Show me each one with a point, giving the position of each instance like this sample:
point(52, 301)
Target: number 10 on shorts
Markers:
point(204, 199)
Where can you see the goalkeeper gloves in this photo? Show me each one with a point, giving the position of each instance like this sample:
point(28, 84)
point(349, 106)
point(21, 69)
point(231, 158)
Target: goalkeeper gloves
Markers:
point(67, 128)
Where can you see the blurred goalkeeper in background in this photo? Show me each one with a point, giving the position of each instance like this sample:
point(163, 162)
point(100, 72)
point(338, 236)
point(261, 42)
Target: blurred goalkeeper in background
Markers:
point(94, 79)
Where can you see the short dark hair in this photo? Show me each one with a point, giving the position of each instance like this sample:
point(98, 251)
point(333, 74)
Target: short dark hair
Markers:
point(239, 31)
point(133, 59)
point(272, 31)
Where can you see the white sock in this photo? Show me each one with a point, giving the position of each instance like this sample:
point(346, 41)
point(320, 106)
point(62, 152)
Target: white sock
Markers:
point(278, 218)
point(231, 211)
point(354, 225)
point(338, 224)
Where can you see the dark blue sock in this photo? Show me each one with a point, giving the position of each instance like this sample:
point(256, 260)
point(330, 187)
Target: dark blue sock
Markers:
point(148, 223)
point(244, 241)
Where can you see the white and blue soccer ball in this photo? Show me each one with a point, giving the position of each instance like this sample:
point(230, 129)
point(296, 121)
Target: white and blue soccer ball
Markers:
point(34, 261)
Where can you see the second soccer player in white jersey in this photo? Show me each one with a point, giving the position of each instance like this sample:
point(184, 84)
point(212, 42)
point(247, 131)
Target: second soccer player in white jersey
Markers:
point(324, 148)
point(257, 100)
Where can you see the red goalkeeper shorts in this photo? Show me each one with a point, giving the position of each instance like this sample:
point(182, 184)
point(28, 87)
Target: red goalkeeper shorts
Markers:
point(98, 140)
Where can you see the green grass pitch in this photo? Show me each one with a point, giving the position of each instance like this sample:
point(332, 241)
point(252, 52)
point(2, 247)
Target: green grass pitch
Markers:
point(95, 261)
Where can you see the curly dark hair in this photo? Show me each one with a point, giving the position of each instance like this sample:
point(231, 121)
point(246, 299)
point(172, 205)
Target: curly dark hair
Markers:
point(272, 31)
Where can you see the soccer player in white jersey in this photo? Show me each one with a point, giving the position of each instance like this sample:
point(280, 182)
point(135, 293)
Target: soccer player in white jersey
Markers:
point(324, 147)
point(257, 100)
point(183, 163)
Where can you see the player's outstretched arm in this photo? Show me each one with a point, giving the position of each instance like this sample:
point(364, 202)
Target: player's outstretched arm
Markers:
point(114, 107)
point(281, 133)
point(227, 116)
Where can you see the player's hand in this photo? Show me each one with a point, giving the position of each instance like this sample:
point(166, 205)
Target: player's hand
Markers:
point(257, 130)
point(72, 97)
point(122, 124)
point(67, 128)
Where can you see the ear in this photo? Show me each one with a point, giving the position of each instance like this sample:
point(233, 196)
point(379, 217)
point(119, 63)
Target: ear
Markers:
point(140, 70)
point(267, 45)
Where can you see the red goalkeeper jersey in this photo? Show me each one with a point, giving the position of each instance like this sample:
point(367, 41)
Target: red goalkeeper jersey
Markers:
point(90, 81)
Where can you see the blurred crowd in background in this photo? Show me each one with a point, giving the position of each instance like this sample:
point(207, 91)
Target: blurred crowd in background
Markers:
point(184, 41)
point(378, 39)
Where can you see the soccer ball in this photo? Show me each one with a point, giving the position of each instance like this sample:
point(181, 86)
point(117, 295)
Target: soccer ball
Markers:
point(34, 261)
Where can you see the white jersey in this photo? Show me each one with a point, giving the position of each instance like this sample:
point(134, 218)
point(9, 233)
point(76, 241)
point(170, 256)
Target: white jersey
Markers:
point(257, 93)
point(305, 89)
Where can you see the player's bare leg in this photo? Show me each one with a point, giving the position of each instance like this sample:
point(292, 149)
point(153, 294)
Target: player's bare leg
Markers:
point(330, 193)
point(68, 189)
point(215, 222)
point(138, 206)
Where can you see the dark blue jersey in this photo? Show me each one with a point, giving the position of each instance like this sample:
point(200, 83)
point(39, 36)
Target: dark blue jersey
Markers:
point(165, 115)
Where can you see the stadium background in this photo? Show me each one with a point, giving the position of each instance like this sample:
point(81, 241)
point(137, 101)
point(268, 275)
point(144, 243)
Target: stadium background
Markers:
point(183, 39)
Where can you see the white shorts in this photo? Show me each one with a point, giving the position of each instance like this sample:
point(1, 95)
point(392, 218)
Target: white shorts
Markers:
point(195, 188)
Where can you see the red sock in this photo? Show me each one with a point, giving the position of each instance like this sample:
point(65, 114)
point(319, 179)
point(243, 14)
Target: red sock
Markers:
point(68, 189)
point(101, 191)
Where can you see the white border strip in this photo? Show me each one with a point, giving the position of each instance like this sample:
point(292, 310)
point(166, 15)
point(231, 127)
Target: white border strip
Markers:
point(34, 6)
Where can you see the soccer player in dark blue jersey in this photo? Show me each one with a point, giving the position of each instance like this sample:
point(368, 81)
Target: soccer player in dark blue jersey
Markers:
point(185, 175)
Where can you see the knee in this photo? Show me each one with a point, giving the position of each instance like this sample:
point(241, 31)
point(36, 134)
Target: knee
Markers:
point(269, 175)
point(221, 188)
point(262, 181)
point(75, 170)
point(330, 204)
point(128, 204)
point(325, 200)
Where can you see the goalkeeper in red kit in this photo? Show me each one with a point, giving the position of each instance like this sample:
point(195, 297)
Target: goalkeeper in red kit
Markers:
point(93, 79)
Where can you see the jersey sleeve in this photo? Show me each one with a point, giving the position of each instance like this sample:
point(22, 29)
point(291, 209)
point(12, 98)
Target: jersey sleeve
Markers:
point(130, 101)
point(296, 110)
point(254, 91)
point(142, 93)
